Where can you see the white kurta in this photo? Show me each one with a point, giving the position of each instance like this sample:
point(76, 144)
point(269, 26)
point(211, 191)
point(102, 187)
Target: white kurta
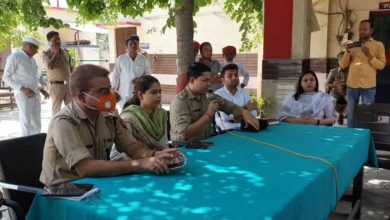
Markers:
point(241, 98)
point(127, 69)
point(22, 71)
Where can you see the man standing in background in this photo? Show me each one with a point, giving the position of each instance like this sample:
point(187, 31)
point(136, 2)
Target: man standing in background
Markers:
point(59, 67)
point(229, 53)
point(182, 79)
point(21, 74)
point(128, 67)
point(364, 58)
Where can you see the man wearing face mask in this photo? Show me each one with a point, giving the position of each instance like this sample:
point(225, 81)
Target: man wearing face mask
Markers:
point(21, 74)
point(128, 67)
point(80, 135)
point(59, 66)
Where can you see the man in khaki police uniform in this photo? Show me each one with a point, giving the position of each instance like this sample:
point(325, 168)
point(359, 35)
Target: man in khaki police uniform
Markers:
point(81, 134)
point(192, 112)
point(59, 67)
point(336, 85)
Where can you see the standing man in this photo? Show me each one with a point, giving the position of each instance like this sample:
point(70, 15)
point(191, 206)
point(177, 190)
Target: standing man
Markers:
point(192, 113)
point(206, 53)
point(231, 92)
point(182, 80)
point(336, 86)
point(128, 67)
point(21, 74)
point(363, 58)
point(229, 53)
point(59, 67)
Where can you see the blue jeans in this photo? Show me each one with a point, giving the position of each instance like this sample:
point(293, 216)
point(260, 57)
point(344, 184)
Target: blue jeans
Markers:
point(353, 95)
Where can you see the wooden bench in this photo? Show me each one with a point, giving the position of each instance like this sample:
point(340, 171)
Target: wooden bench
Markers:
point(9, 100)
point(376, 117)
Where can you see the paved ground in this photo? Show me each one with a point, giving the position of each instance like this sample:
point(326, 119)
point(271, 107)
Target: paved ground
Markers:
point(376, 194)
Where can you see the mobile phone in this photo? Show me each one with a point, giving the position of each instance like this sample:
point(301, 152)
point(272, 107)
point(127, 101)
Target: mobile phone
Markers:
point(68, 189)
point(356, 44)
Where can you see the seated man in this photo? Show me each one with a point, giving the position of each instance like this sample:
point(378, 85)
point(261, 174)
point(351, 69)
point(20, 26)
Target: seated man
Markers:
point(192, 113)
point(229, 53)
point(80, 135)
point(336, 85)
point(235, 94)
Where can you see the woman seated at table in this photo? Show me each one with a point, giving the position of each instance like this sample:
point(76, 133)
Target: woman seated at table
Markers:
point(308, 105)
point(146, 121)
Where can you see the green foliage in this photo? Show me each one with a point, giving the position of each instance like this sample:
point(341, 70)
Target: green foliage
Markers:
point(249, 14)
point(19, 18)
point(74, 56)
point(262, 104)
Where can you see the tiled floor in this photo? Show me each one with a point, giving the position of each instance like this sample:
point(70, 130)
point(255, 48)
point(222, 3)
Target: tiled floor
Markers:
point(376, 194)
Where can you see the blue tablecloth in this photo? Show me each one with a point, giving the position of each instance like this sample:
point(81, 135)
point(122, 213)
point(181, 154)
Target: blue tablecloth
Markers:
point(235, 179)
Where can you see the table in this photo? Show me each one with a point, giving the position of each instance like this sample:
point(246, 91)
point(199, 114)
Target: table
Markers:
point(235, 179)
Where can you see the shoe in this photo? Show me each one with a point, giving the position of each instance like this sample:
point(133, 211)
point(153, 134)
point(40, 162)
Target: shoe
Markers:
point(340, 119)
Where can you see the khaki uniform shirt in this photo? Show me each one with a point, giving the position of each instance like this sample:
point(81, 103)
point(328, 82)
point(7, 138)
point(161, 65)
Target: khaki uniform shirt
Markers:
point(187, 109)
point(362, 72)
point(337, 75)
point(62, 68)
point(72, 137)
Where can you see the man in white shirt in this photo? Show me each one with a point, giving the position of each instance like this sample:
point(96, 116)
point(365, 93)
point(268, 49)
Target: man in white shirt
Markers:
point(128, 67)
point(21, 74)
point(234, 94)
point(229, 53)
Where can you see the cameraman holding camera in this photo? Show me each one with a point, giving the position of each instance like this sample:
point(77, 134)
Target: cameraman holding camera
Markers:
point(363, 63)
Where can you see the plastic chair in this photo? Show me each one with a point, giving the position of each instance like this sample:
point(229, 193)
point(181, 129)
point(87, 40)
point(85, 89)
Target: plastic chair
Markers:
point(21, 163)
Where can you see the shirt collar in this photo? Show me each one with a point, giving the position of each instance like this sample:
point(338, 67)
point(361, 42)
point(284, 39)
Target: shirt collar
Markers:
point(25, 54)
point(226, 90)
point(190, 94)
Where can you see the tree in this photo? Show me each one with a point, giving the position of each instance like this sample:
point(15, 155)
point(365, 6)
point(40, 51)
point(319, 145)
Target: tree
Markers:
point(246, 12)
point(19, 18)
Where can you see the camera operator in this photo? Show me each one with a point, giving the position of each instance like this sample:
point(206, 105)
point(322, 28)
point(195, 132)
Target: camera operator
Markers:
point(363, 63)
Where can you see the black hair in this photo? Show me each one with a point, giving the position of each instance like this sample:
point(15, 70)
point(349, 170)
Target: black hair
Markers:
point(299, 89)
point(141, 84)
point(203, 45)
point(230, 66)
point(83, 75)
point(132, 37)
point(51, 34)
point(196, 69)
point(368, 21)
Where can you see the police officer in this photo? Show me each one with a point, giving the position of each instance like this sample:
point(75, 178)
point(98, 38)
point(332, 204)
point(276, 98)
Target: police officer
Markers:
point(59, 67)
point(192, 113)
point(81, 134)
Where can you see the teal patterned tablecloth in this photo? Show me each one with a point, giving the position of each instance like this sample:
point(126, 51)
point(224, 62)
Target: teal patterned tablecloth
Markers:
point(235, 179)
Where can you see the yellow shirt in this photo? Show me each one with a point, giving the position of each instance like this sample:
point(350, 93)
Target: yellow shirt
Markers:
point(362, 72)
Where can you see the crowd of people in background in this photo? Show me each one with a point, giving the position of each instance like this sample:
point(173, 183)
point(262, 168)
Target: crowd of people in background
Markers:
point(81, 136)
